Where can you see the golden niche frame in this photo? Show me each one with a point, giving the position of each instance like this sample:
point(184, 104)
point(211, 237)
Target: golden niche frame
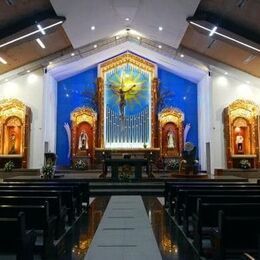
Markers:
point(241, 119)
point(176, 117)
point(83, 115)
point(113, 63)
point(15, 120)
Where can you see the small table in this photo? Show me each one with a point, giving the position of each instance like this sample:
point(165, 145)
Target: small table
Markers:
point(116, 163)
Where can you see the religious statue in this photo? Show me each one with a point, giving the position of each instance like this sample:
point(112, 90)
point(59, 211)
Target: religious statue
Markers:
point(83, 141)
point(170, 140)
point(12, 143)
point(121, 92)
point(239, 142)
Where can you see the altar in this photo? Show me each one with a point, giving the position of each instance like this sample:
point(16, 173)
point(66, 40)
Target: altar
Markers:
point(119, 165)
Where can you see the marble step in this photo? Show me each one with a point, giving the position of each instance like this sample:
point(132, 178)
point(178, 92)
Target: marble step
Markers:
point(144, 192)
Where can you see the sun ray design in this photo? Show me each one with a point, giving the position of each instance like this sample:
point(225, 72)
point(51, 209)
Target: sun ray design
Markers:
point(128, 88)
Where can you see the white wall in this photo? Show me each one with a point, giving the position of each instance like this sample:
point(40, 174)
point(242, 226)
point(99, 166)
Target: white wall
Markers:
point(29, 89)
point(50, 111)
point(225, 90)
point(204, 118)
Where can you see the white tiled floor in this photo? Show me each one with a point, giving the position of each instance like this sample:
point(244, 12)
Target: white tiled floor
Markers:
point(124, 232)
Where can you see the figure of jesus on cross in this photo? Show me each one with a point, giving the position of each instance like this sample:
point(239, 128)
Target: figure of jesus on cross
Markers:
point(121, 92)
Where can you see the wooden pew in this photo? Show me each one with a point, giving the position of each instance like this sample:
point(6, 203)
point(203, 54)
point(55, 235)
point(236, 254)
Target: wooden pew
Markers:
point(15, 239)
point(183, 193)
point(190, 205)
point(83, 185)
point(55, 208)
point(170, 186)
point(36, 218)
point(206, 216)
point(175, 189)
point(66, 197)
point(77, 197)
point(234, 236)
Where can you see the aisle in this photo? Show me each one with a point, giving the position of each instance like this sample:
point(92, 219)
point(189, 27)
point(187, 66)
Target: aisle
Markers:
point(124, 232)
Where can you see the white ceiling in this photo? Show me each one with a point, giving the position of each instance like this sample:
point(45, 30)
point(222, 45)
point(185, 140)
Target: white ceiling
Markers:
point(181, 69)
point(108, 16)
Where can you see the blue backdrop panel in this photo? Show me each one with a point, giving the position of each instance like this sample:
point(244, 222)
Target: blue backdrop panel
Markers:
point(184, 98)
point(70, 97)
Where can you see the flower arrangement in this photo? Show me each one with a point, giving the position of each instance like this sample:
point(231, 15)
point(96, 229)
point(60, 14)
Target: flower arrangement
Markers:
point(125, 175)
point(9, 166)
point(245, 164)
point(81, 165)
point(173, 164)
point(47, 171)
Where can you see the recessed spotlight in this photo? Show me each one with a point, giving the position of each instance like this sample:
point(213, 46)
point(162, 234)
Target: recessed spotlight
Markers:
point(226, 73)
point(40, 43)
point(117, 37)
point(182, 55)
point(28, 71)
point(127, 19)
point(160, 28)
point(2, 60)
point(92, 28)
point(50, 62)
point(72, 54)
point(6, 80)
point(159, 46)
point(138, 38)
point(67, 95)
point(184, 98)
point(247, 82)
point(95, 46)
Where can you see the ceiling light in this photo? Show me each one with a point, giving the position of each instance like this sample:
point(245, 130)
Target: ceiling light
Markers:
point(40, 43)
point(28, 71)
point(159, 46)
point(227, 37)
point(41, 30)
point(226, 73)
point(127, 19)
point(138, 38)
point(214, 29)
point(72, 54)
point(6, 80)
point(29, 34)
point(160, 28)
point(247, 82)
point(182, 55)
point(92, 28)
point(95, 46)
point(117, 37)
point(50, 62)
point(2, 60)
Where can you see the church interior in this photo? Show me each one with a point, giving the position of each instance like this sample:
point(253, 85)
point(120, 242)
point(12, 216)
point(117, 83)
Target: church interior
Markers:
point(129, 129)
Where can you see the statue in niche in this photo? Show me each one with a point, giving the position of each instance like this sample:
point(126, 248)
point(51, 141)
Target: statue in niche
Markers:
point(239, 143)
point(83, 141)
point(170, 139)
point(12, 140)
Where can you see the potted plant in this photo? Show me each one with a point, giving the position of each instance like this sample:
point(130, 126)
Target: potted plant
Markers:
point(244, 164)
point(47, 171)
point(173, 164)
point(81, 165)
point(9, 166)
